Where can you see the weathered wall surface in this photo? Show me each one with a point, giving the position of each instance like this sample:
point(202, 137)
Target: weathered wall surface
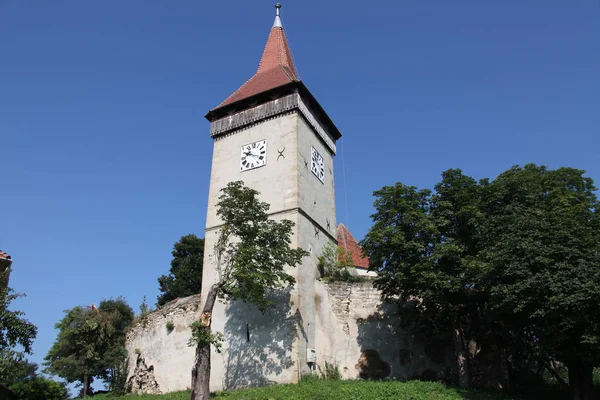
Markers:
point(353, 329)
point(362, 335)
point(157, 352)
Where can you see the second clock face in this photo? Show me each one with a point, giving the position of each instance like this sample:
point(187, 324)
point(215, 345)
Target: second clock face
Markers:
point(316, 164)
point(253, 155)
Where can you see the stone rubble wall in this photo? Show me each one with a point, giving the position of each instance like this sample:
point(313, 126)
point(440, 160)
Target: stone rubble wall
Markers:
point(355, 331)
point(165, 352)
point(362, 336)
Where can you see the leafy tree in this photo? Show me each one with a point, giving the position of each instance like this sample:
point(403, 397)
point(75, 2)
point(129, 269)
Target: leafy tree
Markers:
point(90, 343)
point(15, 368)
point(122, 317)
point(543, 244)
point(145, 309)
point(185, 275)
point(251, 254)
point(16, 337)
point(511, 261)
point(335, 263)
point(424, 247)
point(40, 388)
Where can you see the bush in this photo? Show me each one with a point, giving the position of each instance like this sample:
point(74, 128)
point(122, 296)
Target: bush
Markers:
point(118, 384)
point(170, 326)
point(331, 372)
point(335, 263)
point(40, 388)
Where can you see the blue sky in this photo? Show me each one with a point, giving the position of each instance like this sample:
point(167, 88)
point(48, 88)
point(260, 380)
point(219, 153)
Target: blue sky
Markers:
point(105, 154)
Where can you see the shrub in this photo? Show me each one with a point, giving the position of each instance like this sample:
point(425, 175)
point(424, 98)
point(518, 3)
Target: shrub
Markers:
point(170, 326)
point(331, 372)
point(335, 263)
point(40, 388)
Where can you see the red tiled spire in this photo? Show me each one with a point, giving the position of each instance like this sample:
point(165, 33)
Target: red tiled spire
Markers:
point(276, 67)
point(347, 242)
point(4, 255)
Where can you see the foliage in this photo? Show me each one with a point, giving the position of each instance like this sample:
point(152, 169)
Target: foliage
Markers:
point(329, 372)
point(40, 388)
point(543, 246)
point(511, 263)
point(425, 245)
point(170, 326)
point(334, 264)
point(14, 367)
point(252, 255)
point(334, 390)
point(90, 343)
point(16, 337)
point(204, 337)
point(122, 317)
point(252, 251)
point(145, 309)
point(118, 381)
point(185, 275)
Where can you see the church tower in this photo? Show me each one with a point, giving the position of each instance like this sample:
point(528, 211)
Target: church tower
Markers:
point(272, 134)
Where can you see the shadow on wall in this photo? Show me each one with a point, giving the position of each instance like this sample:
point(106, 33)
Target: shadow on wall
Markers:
point(259, 345)
point(378, 340)
point(392, 349)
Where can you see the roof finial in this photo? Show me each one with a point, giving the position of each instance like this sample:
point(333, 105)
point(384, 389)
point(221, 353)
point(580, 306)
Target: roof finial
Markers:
point(277, 23)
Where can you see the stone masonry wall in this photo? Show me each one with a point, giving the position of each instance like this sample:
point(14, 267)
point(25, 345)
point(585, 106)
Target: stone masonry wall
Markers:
point(152, 347)
point(363, 336)
point(354, 330)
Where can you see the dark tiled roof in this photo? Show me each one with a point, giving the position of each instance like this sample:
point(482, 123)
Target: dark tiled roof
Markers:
point(276, 68)
point(347, 242)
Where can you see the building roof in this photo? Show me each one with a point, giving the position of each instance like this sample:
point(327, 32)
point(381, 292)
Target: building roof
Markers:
point(5, 256)
point(276, 67)
point(348, 243)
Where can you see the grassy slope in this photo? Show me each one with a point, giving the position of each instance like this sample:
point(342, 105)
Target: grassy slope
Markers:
point(346, 390)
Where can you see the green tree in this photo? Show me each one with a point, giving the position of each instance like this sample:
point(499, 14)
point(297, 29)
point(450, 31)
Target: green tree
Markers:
point(543, 244)
point(424, 247)
point(512, 261)
point(39, 388)
point(90, 343)
point(15, 368)
point(16, 338)
point(251, 255)
point(122, 316)
point(185, 275)
point(334, 264)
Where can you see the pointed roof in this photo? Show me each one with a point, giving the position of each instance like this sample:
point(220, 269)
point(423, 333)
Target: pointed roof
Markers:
point(276, 67)
point(348, 243)
point(5, 261)
point(4, 255)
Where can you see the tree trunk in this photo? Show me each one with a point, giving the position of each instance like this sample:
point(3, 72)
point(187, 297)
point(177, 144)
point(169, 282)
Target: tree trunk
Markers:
point(581, 379)
point(462, 356)
point(201, 369)
point(553, 372)
point(85, 383)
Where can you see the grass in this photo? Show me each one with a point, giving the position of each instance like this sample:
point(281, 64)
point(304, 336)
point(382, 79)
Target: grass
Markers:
point(334, 390)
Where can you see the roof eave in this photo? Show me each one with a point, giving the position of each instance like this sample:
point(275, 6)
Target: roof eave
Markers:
point(269, 95)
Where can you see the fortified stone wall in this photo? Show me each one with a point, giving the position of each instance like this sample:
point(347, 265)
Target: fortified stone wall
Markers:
point(354, 330)
point(159, 359)
point(363, 336)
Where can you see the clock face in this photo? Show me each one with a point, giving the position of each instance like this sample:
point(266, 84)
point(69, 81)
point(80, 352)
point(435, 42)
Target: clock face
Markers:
point(253, 155)
point(316, 164)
